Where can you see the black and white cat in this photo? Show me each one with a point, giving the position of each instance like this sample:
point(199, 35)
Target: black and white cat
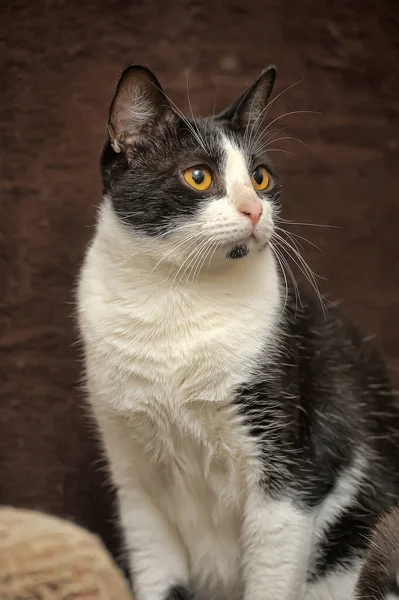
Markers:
point(253, 442)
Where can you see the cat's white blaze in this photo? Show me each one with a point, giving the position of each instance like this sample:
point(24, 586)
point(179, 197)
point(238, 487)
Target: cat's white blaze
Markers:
point(236, 172)
point(222, 218)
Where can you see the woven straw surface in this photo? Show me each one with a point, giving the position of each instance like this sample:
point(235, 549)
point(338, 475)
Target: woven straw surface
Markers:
point(45, 558)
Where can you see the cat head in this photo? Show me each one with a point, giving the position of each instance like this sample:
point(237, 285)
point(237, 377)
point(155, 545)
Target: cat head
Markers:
point(186, 187)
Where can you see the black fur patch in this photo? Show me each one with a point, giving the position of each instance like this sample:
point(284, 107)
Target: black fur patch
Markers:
point(238, 251)
point(394, 589)
point(346, 539)
point(321, 398)
point(178, 592)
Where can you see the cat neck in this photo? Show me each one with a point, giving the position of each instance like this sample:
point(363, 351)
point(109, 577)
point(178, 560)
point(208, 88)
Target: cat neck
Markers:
point(125, 262)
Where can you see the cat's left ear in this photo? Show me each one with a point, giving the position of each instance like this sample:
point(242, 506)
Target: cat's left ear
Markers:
point(251, 105)
point(138, 105)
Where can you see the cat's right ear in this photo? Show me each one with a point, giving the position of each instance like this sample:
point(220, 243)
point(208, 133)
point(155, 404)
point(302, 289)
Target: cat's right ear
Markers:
point(138, 104)
point(252, 104)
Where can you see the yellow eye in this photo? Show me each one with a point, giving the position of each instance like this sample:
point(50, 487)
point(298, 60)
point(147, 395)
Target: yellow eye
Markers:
point(260, 179)
point(198, 178)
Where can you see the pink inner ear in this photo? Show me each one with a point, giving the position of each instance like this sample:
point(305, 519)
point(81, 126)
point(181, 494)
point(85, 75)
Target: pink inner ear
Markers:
point(131, 111)
point(138, 101)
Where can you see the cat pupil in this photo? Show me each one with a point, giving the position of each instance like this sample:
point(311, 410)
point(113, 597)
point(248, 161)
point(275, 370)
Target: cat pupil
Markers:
point(198, 176)
point(258, 176)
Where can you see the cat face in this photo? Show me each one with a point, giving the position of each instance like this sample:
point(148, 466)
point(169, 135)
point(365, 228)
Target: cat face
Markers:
point(202, 186)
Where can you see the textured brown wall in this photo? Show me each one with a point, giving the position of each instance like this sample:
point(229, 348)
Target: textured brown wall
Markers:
point(62, 59)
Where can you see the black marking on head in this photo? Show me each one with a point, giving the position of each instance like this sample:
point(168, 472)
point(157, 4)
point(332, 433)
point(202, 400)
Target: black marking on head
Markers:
point(238, 251)
point(145, 182)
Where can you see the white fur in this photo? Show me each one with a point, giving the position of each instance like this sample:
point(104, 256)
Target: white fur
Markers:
point(277, 545)
point(338, 500)
point(342, 496)
point(164, 355)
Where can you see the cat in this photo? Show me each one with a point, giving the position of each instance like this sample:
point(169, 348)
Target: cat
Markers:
point(379, 577)
point(252, 439)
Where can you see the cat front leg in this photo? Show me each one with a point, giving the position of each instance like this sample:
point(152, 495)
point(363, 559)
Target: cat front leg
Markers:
point(157, 561)
point(276, 538)
point(156, 556)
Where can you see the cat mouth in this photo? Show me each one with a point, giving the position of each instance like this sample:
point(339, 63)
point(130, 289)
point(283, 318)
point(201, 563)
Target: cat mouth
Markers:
point(242, 246)
point(251, 239)
point(246, 240)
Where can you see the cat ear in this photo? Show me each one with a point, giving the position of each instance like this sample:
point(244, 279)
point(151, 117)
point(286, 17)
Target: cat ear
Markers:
point(138, 104)
point(251, 105)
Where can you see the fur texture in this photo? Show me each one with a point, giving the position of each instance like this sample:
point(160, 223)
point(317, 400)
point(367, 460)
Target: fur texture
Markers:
point(379, 578)
point(253, 441)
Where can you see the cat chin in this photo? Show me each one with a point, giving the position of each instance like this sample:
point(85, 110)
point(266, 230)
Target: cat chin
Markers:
point(238, 251)
point(242, 249)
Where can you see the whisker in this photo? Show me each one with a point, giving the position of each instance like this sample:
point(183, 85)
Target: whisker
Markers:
point(273, 133)
point(294, 241)
point(299, 257)
point(215, 247)
point(210, 255)
point(179, 113)
point(285, 222)
point(287, 114)
point(267, 108)
point(294, 281)
point(293, 112)
point(280, 150)
point(296, 235)
point(201, 262)
point(249, 118)
point(185, 240)
point(280, 140)
point(187, 259)
point(300, 262)
point(197, 256)
point(274, 250)
point(196, 261)
point(195, 124)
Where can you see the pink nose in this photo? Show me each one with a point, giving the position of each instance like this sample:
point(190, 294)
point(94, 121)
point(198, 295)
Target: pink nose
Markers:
point(251, 209)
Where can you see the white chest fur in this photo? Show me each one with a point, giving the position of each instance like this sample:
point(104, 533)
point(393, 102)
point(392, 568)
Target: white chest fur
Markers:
point(170, 344)
point(163, 362)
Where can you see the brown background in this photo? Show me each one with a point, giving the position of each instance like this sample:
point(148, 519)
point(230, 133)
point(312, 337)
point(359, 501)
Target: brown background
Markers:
point(62, 59)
